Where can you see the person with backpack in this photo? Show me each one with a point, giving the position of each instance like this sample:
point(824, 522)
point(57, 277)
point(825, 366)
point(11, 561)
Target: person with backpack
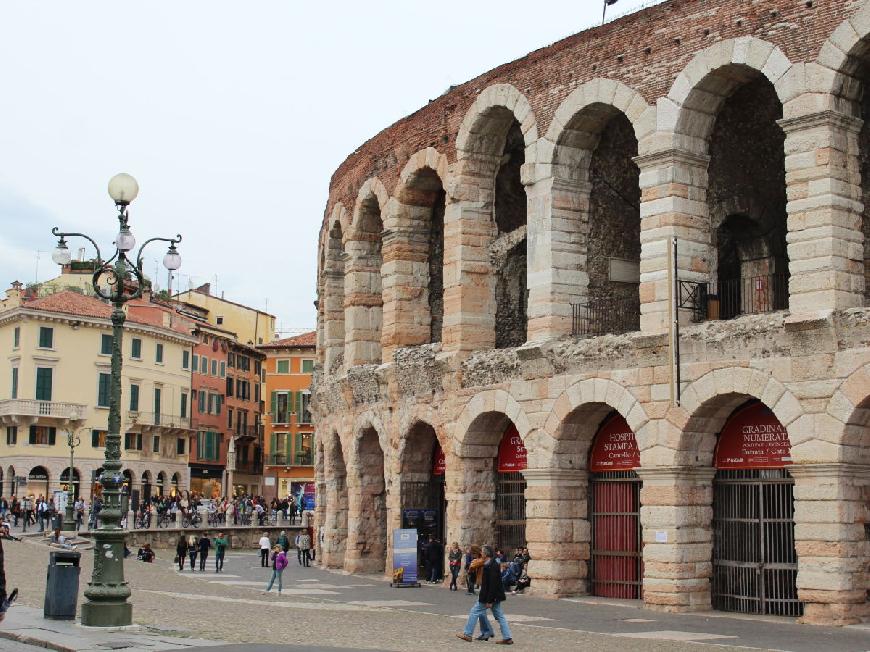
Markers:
point(279, 563)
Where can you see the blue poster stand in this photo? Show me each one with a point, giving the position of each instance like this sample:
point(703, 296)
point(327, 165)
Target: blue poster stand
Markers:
point(404, 559)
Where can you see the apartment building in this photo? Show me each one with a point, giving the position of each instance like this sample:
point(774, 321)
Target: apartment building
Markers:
point(288, 430)
point(251, 326)
point(244, 412)
point(56, 384)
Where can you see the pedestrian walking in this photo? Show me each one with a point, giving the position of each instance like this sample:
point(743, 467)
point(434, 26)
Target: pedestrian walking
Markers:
point(279, 563)
point(297, 542)
point(204, 546)
point(221, 543)
point(265, 546)
point(305, 544)
point(181, 551)
point(192, 550)
point(454, 559)
point(284, 542)
point(491, 597)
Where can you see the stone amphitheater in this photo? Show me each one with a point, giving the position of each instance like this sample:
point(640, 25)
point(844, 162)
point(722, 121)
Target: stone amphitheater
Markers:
point(608, 301)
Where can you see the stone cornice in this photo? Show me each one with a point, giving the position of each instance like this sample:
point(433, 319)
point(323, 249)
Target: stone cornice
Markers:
point(830, 470)
point(821, 119)
point(555, 477)
point(671, 156)
point(668, 475)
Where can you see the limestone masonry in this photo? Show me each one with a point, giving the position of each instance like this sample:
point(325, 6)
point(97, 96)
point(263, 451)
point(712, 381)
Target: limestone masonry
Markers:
point(576, 302)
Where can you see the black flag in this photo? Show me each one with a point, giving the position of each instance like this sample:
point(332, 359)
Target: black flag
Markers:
point(607, 3)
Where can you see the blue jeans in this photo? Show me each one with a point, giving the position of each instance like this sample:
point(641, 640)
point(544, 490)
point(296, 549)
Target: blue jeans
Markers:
point(478, 612)
point(275, 573)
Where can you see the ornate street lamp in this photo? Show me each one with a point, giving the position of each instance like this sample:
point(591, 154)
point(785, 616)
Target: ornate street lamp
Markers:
point(122, 281)
point(69, 519)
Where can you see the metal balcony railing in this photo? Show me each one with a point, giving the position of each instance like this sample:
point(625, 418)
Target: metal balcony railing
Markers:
point(159, 419)
point(279, 459)
point(605, 316)
point(751, 295)
point(33, 408)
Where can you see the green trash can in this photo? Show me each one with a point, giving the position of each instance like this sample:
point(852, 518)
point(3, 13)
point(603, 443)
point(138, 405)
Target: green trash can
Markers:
point(62, 585)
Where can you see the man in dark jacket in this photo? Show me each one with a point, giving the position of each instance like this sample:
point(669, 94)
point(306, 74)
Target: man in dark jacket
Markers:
point(434, 558)
point(491, 596)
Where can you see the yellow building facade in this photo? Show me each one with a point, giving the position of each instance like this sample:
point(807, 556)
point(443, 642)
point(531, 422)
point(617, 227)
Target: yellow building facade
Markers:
point(251, 326)
point(55, 380)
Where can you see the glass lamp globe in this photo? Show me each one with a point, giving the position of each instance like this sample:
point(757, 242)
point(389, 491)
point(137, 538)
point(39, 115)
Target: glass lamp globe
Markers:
point(123, 188)
point(61, 255)
point(125, 241)
point(172, 259)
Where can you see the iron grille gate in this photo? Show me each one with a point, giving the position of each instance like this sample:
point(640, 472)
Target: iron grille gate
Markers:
point(614, 509)
point(754, 558)
point(427, 495)
point(510, 511)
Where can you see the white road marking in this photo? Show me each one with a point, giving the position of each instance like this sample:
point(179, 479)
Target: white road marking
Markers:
point(637, 620)
point(513, 618)
point(390, 603)
point(672, 635)
point(317, 606)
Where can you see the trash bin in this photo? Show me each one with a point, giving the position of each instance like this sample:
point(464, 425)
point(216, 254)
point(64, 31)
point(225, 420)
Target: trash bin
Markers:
point(62, 585)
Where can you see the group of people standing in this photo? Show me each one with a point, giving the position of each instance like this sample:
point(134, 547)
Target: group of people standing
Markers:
point(193, 547)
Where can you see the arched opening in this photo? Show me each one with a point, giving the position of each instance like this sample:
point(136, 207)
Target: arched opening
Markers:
point(493, 459)
point(147, 490)
point(334, 310)
point(367, 535)
point(160, 487)
point(336, 503)
point(38, 482)
point(363, 290)
point(594, 165)
point(746, 195)
point(754, 558)
point(423, 202)
point(176, 485)
point(10, 477)
point(422, 493)
point(73, 487)
point(616, 568)
point(508, 251)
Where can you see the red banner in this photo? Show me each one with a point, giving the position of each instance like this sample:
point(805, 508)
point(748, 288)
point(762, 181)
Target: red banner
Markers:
point(440, 462)
point(511, 452)
point(614, 448)
point(753, 438)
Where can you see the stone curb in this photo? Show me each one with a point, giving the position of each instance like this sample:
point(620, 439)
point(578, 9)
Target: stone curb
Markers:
point(31, 640)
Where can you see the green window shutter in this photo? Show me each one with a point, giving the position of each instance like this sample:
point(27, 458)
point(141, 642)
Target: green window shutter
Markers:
point(159, 355)
point(105, 344)
point(195, 365)
point(307, 366)
point(274, 412)
point(43, 383)
point(183, 406)
point(298, 407)
point(136, 348)
point(185, 359)
point(14, 382)
point(52, 436)
point(288, 445)
point(46, 337)
point(273, 444)
point(134, 398)
point(95, 439)
point(103, 390)
point(16, 337)
point(31, 437)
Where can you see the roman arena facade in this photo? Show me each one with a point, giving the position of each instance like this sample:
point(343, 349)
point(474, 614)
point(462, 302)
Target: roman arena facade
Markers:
point(619, 285)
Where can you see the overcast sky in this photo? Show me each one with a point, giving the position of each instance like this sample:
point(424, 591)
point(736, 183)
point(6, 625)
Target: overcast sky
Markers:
point(231, 115)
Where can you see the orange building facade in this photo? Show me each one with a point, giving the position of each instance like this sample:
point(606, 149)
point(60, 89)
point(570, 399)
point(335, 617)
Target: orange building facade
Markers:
point(288, 428)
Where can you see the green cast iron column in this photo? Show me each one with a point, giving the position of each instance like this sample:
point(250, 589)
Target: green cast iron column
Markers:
point(107, 592)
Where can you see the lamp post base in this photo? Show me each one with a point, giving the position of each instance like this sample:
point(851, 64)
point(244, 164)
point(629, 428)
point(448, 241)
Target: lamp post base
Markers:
point(107, 614)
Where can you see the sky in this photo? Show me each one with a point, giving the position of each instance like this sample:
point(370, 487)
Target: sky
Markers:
point(232, 116)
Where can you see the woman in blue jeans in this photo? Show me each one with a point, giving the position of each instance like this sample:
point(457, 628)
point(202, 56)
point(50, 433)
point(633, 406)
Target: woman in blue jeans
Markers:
point(279, 563)
point(491, 596)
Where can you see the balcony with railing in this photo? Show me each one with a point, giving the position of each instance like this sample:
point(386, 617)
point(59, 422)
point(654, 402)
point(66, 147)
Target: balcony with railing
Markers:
point(278, 459)
point(605, 316)
point(246, 432)
point(159, 420)
point(253, 465)
point(23, 407)
point(730, 298)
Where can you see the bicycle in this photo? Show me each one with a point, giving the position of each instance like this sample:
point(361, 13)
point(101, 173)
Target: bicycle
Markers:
point(191, 520)
point(164, 520)
point(216, 519)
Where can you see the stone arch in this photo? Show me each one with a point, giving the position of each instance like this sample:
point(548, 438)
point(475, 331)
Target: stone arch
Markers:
point(711, 399)
point(495, 144)
point(574, 420)
point(413, 253)
point(336, 499)
point(846, 421)
point(367, 501)
point(363, 285)
point(487, 410)
point(591, 146)
point(475, 135)
point(839, 61)
point(713, 74)
point(333, 287)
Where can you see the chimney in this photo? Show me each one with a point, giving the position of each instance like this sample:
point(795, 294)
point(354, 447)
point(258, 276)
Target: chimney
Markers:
point(205, 289)
point(14, 295)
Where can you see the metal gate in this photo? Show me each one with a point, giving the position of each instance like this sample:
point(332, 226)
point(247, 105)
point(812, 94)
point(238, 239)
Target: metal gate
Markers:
point(754, 558)
point(510, 511)
point(427, 495)
point(614, 514)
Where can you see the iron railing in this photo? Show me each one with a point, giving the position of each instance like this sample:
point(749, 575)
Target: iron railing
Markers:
point(279, 459)
point(752, 295)
point(605, 316)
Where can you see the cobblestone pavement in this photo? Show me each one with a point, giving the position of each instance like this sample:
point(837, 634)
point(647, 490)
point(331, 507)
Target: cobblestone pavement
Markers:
point(321, 608)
